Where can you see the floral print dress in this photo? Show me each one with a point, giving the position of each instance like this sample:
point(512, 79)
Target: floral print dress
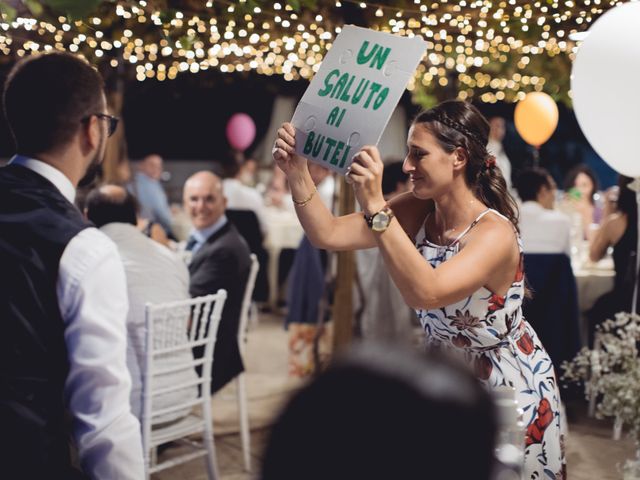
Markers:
point(489, 331)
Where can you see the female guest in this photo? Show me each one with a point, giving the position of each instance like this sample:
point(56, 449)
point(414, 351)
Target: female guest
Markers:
point(620, 231)
point(581, 187)
point(452, 248)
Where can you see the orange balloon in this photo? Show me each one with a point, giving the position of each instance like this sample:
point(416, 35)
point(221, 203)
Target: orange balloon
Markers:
point(536, 118)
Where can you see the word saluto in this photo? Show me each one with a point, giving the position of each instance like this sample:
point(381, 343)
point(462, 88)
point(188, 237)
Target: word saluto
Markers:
point(367, 95)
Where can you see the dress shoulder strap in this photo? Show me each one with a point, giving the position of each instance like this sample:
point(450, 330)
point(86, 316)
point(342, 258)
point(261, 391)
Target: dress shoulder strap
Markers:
point(479, 217)
point(471, 225)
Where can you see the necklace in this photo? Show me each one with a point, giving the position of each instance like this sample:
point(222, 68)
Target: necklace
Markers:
point(442, 240)
point(441, 232)
point(440, 235)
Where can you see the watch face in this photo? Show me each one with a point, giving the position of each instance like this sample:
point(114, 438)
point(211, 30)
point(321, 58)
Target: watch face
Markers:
point(380, 222)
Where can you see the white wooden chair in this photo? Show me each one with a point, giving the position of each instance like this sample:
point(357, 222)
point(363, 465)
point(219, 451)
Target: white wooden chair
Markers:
point(173, 329)
point(242, 340)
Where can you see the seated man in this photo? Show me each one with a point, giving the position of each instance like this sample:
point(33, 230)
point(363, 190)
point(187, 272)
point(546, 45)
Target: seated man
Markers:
point(220, 258)
point(154, 274)
point(543, 229)
point(154, 205)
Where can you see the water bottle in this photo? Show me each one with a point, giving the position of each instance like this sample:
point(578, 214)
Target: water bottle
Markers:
point(510, 443)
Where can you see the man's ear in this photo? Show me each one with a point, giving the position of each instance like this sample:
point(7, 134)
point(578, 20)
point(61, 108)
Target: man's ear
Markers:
point(91, 133)
point(460, 158)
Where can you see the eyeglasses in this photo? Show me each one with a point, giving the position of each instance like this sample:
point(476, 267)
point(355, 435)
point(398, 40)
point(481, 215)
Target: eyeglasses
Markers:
point(113, 121)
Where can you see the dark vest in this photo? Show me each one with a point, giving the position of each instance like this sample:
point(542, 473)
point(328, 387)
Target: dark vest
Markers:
point(36, 224)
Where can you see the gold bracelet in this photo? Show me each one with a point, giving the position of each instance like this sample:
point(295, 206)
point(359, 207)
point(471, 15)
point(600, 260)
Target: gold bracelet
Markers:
point(302, 203)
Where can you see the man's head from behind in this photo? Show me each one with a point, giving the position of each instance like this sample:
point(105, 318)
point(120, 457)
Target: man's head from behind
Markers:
point(383, 412)
point(111, 204)
point(54, 102)
point(536, 185)
point(204, 199)
point(151, 166)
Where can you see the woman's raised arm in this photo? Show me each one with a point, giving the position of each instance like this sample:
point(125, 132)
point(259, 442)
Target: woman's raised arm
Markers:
point(324, 230)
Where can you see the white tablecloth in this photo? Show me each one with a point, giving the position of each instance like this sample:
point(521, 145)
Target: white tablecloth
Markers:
point(283, 231)
point(592, 281)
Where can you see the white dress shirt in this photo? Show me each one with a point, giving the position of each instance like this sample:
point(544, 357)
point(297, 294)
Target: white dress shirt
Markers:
point(543, 230)
point(241, 197)
point(154, 274)
point(92, 296)
point(201, 236)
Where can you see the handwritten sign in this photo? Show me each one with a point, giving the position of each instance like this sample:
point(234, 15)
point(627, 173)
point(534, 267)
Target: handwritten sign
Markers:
point(351, 98)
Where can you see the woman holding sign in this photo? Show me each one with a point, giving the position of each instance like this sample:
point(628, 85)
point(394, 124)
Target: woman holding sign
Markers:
point(453, 249)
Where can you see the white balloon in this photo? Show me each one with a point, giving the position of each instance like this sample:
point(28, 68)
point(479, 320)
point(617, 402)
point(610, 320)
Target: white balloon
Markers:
point(605, 84)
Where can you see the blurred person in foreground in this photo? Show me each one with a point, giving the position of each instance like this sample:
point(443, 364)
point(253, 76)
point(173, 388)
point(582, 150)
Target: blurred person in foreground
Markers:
point(154, 274)
point(220, 258)
point(382, 412)
point(63, 298)
point(543, 229)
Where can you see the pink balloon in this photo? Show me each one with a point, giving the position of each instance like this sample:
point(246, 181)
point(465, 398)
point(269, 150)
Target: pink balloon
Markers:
point(240, 131)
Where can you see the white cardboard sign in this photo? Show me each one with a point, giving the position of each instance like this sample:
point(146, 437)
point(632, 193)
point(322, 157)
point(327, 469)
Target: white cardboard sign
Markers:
point(350, 100)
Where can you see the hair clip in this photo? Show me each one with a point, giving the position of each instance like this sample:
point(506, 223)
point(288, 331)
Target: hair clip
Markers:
point(490, 161)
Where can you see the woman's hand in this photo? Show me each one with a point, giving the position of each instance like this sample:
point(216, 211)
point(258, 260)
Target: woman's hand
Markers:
point(284, 151)
point(365, 174)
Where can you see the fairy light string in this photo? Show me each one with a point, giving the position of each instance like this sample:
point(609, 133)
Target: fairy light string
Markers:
point(493, 50)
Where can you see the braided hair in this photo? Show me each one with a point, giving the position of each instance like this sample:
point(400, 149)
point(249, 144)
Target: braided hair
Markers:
point(457, 124)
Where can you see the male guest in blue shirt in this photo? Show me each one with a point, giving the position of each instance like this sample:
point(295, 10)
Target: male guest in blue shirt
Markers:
point(220, 259)
point(152, 198)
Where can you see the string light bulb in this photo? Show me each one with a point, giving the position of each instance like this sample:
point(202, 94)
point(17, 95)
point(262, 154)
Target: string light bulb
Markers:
point(496, 38)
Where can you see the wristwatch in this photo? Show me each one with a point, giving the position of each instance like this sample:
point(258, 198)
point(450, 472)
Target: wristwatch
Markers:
point(379, 221)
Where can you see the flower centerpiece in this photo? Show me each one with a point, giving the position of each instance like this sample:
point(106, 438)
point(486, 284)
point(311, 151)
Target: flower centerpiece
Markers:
point(611, 373)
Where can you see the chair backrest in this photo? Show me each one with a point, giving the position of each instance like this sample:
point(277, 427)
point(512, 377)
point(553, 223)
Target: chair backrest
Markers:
point(246, 221)
point(174, 331)
point(248, 226)
point(246, 301)
point(553, 309)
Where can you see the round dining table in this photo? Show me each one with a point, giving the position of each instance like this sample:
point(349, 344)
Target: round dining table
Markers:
point(593, 279)
point(283, 231)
